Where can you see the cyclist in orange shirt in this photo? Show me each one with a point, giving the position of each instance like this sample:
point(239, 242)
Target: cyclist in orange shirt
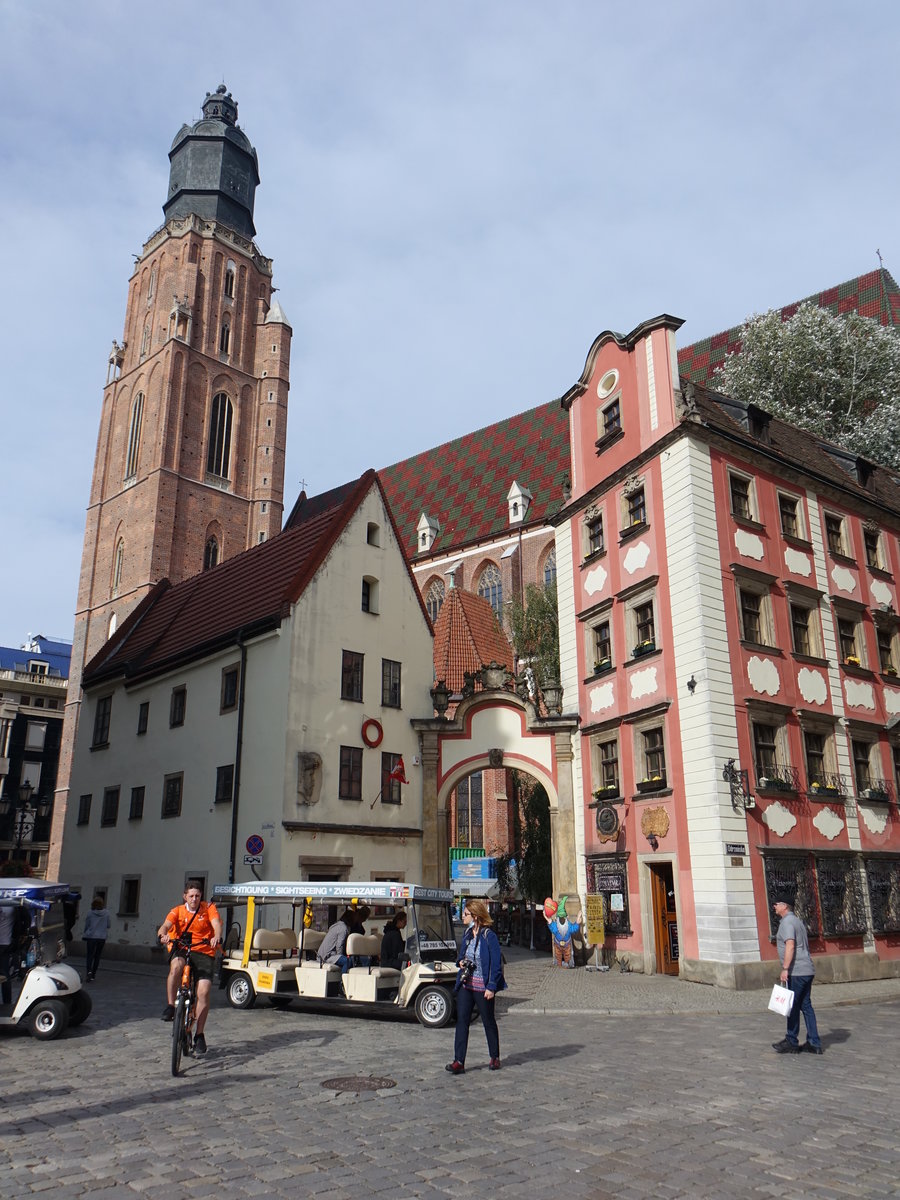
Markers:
point(200, 922)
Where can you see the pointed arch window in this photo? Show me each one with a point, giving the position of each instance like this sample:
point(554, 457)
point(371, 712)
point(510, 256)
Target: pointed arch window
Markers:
point(218, 456)
point(134, 436)
point(224, 338)
point(229, 280)
point(210, 553)
point(118, 565)
point(145, 341)
point(490, 586)
point(434, 599)
point(550, 567)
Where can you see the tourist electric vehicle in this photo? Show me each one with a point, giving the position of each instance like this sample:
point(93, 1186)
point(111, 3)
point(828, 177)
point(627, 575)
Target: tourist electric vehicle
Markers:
point(273, 953)
point(50, 997)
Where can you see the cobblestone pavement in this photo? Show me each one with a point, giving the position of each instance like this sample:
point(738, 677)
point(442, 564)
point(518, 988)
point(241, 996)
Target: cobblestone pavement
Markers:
point(588, 1104)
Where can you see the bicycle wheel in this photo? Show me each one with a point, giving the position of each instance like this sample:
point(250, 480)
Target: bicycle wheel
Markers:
point(179, 1033)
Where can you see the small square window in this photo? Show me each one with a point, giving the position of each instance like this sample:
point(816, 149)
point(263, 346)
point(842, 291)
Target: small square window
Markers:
point(351, 675)
point(143, 716)
point(172, 789)
point(612, 418)
point(350, 778)
point(136, 810)
point(602, 647)
point(390, 683)
point(225, 784)
point(84, 809)
point(177, 706)
point(229, 694)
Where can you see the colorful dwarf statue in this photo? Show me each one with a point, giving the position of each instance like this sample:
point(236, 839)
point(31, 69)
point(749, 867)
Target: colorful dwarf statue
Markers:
point(561, 931)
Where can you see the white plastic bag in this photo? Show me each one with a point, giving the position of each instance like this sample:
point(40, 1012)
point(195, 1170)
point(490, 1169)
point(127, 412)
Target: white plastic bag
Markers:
point(781, 1001)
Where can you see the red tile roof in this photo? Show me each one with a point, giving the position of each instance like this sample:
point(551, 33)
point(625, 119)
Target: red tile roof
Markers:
point(248, 593)
point(467, 636)
point(464, 483)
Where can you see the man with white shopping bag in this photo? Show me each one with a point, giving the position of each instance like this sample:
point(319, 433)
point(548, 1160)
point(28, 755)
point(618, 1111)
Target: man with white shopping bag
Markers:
point(797, 973)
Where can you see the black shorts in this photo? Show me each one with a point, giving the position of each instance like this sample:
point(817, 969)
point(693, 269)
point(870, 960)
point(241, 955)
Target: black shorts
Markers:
point(204, 964)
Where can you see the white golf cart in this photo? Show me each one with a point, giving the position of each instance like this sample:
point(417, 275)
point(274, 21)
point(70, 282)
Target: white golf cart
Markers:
point(51, 997)
point(277, 958)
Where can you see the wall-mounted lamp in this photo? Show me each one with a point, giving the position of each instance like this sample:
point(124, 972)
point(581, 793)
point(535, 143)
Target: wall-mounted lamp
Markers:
point(739, 784)
point(692, 685)
point(653, 840)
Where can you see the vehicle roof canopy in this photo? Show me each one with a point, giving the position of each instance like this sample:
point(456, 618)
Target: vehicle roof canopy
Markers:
point(12, 890)
point(288, 891)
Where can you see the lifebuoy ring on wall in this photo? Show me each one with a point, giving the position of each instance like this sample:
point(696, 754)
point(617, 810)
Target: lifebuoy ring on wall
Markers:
point(372, 733)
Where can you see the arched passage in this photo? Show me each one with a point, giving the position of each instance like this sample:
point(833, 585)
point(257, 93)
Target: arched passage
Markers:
point(492, 729)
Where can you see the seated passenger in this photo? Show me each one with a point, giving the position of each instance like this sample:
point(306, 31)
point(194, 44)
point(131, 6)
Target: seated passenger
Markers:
point(393, 947)
point(334, 943)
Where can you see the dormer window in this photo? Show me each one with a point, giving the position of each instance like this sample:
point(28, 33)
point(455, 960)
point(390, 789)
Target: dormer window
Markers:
point(519, 500)
point(427, 531)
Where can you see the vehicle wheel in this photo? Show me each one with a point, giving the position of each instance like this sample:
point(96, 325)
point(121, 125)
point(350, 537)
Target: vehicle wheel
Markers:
point(434, 1007)
point(178, 1035)
point(279, 1001)
point(48, 1019)
point(80, 1008)
point(240, 991)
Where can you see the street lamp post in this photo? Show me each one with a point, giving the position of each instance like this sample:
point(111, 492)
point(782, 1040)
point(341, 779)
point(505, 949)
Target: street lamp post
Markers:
point(27, 812)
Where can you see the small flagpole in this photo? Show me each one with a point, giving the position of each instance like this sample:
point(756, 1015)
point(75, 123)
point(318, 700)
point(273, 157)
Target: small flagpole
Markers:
point(375, 801)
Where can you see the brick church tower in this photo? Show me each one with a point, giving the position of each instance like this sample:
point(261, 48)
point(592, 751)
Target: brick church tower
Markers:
point(189, 468)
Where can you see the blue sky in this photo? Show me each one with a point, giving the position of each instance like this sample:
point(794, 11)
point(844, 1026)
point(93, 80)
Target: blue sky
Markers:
point(458, 197)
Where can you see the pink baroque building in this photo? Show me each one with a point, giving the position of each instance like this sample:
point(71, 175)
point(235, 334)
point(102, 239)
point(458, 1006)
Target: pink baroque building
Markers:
point(728, 625)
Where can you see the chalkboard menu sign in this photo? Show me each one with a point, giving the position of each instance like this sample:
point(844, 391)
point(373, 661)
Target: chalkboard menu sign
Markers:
point(608, 877)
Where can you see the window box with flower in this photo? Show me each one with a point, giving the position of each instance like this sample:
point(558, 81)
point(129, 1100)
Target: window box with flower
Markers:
point(645, 647)
point(601, 665)
point(610, 791)
point(823, 790)
point(653, 783)
point(852, 660)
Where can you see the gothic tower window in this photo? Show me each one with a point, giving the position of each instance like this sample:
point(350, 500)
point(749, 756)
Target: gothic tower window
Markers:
point(134, 436)
point(118, 564)
point(218, 458)
point(210, 554)
point(224, 337)
point(490, 586)
point(229, 280)
point(145, 341)
point(434, 598)
point(550, 567)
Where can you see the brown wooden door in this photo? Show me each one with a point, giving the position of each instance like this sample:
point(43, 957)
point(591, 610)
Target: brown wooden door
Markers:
point(665, 922)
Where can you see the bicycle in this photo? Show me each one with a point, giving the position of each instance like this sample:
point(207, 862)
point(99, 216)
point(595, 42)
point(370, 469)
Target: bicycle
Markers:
point(185, 1005)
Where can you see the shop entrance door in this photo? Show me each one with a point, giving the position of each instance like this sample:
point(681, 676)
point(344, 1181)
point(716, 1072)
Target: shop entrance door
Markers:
point(665, 921)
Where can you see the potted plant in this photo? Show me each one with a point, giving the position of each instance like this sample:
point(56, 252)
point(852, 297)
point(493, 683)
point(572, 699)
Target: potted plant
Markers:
point(644, 647)
point(875, 793)
point(890, 670)
point(851, 661)
point(607, 792)
point(651, 783)
point(602, 664)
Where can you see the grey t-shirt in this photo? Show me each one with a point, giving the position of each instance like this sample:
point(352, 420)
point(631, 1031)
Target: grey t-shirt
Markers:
point(791, 928)
point(333, 942)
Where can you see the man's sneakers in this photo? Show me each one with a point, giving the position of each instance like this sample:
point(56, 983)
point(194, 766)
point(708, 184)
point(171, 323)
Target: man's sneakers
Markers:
point(494, 1064)
point(785, 1047)
point(811, 1049)
point(455, 1068)
point(199, 1044)
point(168, 1013)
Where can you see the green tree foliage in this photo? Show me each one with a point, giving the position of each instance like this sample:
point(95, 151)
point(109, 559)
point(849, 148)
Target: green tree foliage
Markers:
point(535, 631)
point(838, 377)
point(532, 817)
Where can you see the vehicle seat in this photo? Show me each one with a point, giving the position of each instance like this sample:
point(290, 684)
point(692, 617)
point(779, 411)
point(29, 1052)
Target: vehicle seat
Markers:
point(275, 947)
point(312, 940)
point(372, 982)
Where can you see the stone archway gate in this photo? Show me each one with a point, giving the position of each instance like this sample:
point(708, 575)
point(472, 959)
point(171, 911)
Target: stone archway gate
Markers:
point(492, 729)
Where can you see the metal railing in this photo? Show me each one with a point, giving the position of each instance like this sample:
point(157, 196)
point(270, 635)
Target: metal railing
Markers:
point(776, 777)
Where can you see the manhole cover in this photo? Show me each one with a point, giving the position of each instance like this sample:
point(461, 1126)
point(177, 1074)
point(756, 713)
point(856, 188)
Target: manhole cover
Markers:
point(359, 1083)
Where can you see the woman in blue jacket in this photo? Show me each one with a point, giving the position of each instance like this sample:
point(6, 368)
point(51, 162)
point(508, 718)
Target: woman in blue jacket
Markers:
point(479, 978)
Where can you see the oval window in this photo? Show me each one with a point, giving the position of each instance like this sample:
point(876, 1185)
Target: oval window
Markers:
point(607, 384)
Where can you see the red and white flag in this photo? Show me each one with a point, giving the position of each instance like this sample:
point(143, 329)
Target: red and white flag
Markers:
point(399, 772)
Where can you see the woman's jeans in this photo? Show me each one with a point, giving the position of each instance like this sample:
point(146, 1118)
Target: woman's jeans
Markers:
point(801, 986)
point(466, 1002)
